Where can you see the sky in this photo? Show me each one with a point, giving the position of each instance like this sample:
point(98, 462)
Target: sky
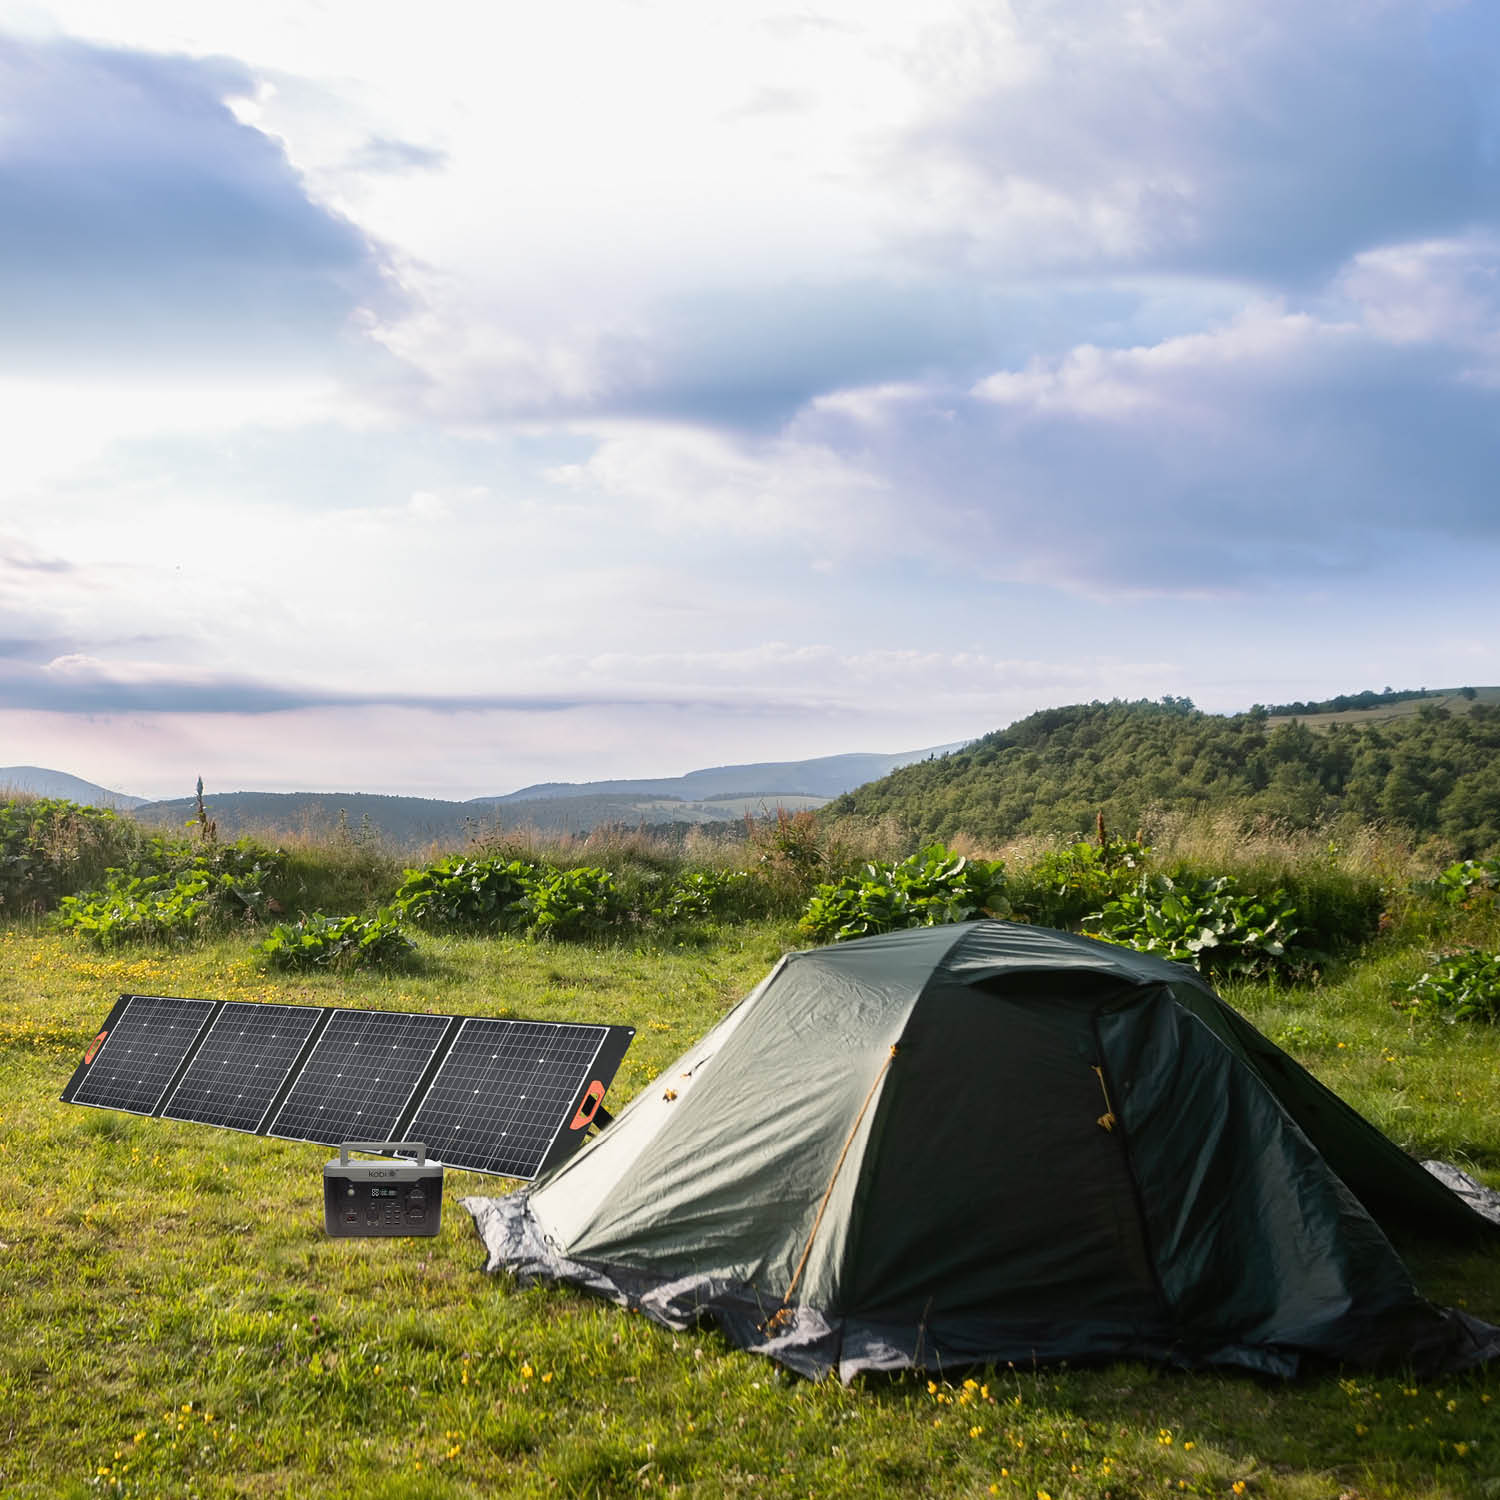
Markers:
point(436, 401)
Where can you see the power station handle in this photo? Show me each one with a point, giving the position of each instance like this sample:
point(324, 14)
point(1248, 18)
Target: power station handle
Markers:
point(383, 1146)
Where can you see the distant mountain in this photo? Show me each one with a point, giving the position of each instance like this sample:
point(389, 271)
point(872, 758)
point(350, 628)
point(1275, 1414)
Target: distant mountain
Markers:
point(825, 776)
point(408, 821)
point(40, 782)
point(720, 794)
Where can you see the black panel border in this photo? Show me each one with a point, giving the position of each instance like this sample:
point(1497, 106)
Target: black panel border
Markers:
point(571, 1130)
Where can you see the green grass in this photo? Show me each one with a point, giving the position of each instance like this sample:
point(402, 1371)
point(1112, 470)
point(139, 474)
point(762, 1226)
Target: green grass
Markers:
point(175, 1322)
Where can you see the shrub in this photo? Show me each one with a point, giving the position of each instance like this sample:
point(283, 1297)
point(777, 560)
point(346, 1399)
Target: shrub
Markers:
point(1463, 987)
point(700, 895)
point(1337, 911)
point(930, 888)
point(1469, 881)
point(1064, 886)
point(212, 890)
point(319, 942)
point(1202, 920)
point(466, 892)
point(570, 903)
point(50, 848)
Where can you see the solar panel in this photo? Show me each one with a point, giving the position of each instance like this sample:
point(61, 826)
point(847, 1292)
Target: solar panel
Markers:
point(239, 1069)
point(504, 1092)
point(360, 1077)
point(503, 1096)
point(142, 1048)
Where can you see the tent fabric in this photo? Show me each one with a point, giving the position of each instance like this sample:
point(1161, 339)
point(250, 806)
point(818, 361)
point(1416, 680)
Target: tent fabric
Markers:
point(991, 1142)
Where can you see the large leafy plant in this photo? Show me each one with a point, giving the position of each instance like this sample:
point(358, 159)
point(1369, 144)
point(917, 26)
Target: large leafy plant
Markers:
point(1470, 881)
point(1463, 987)
point(1203, 920)
point(930, 888)
point(466, 892)
point(210, 890)
point(1065, 885)
point(319, 942)
point(570, 903)
point(701, 895)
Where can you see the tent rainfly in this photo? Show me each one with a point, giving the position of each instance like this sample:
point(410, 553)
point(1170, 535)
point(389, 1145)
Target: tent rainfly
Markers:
point(990, 1142)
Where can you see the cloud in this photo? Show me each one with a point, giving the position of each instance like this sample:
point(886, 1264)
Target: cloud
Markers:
point(140, 213)
point(1279, 446)
point(1270, 141)
point(379, 154)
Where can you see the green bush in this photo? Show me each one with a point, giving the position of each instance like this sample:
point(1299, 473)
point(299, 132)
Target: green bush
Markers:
point(467, 893)
point(319, 942)
point(932, 887)
point(1066, 885)
point(570, 903)
point(1202, 920)
point(199, 892)
point(1470, 881)
point(50, 848)
point(702, 895)
point(1463, 987)
point(1337, 911)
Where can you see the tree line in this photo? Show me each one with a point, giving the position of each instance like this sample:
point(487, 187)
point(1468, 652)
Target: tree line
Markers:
point(1435, 772)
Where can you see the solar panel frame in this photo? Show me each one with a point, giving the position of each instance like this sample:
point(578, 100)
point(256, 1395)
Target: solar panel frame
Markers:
point(280, 1055)
point(304, 1114)
point(140, 1022)
point(592, 1054)
point(525, 1100)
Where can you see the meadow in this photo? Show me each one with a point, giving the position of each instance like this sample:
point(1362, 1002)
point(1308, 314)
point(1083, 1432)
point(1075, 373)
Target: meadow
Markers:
point(176, 1323)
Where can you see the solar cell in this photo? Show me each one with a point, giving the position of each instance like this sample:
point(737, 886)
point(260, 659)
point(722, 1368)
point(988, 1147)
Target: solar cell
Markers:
point(244, 1060)
point(142, 1049)
point(360, 1076)
point(504, 1091)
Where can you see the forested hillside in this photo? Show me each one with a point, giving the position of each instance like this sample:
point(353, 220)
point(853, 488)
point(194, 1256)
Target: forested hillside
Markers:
point(1436, 771)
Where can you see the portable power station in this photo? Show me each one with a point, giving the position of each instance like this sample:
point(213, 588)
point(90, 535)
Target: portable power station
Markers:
point(382, 1197)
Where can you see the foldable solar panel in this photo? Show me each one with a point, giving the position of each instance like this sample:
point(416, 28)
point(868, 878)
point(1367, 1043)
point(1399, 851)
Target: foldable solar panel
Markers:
point(135, 1059)
point(239, 1069)
point(503, 1092)
point(360, 1077)
point(508, 1097)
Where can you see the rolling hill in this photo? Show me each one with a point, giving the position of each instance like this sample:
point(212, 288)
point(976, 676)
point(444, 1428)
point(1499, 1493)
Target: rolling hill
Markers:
point(1433, 768)
point(718, 794)
point(38, 781)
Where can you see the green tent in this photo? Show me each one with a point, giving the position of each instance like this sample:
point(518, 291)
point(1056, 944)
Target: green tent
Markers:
point(992, 1142)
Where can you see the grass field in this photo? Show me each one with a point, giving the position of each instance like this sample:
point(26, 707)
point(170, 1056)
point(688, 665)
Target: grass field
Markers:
point(176, 1323)
point(1450, 699)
